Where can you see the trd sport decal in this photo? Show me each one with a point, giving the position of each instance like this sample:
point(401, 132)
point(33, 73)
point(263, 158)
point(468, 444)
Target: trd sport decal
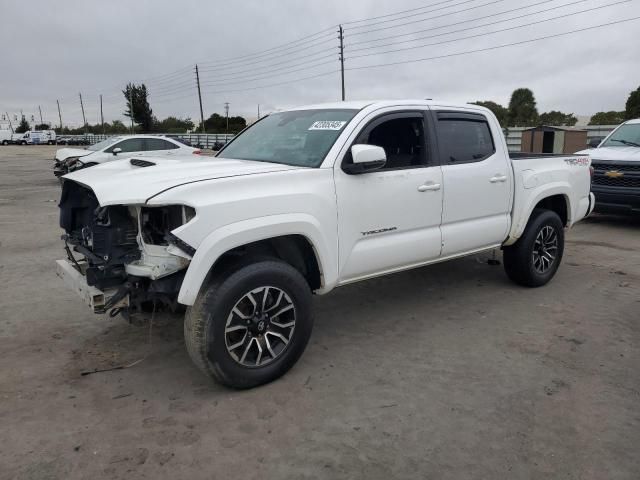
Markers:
point(375, 232)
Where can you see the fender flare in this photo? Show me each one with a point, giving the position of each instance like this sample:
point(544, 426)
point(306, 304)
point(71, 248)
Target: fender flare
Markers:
point(252, 230)
point(544, 191)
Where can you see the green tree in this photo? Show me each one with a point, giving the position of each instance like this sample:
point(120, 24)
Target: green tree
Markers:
point(607, 118)
point(174, 125)
point(522, 108)
point(555, 118)
point(142, 113)
point(43, 126)
point(632, 108)
point(218, 124)
point(498, 110)
point(23, 127)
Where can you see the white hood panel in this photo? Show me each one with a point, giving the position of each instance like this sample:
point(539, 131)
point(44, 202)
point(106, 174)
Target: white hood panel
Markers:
point(614, 153)
point(121, 183)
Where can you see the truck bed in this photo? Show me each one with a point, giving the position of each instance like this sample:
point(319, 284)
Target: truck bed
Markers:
point(527, 155)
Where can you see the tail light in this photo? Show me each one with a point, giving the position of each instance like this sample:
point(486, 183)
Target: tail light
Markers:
point(591, 171)
point(197, 152)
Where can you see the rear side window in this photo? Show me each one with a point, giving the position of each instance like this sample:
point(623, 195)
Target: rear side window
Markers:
point(159, 144)
point(463, 140)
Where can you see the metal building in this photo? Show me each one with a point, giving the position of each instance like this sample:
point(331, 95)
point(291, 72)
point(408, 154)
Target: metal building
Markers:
point(544, 139)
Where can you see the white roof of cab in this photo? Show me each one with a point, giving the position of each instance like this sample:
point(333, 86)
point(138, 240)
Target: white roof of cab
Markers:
point(359, 105)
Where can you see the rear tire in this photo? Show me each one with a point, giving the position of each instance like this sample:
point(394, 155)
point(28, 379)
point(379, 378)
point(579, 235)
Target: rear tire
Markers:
point(534, 259)
point(251, 323)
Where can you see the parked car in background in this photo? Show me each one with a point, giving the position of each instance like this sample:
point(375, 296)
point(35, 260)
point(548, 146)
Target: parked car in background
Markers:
point(114, 148)
point(37, 137)
point(304, 201)
point(616, 164)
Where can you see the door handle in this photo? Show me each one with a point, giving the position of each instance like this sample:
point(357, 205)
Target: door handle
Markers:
point(498, 178)
point(429, 187)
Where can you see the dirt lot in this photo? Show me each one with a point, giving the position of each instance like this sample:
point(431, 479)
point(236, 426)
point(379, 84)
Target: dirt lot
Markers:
point(445, 372)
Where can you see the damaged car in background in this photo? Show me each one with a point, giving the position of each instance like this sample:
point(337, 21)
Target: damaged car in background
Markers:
point(304, 201)
point(114, 148)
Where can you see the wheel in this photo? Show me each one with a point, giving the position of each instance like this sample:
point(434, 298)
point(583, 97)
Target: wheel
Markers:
point(4, 142)
point(534, 259)
point(251, 324)
point(23, 143)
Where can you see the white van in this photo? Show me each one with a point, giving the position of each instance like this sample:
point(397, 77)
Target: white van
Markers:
point(5, 137)
point(38, 137)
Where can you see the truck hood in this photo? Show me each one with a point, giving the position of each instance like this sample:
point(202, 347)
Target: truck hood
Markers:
point(122, 183)
point(64, 153)
point(613, 153)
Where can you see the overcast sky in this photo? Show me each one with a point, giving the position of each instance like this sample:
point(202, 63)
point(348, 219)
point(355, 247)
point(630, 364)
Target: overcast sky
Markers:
point(56, 50)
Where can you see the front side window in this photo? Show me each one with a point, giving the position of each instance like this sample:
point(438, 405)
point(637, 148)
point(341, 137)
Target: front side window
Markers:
point(104, 143)
point(627, 135)
point(300, 138)
point(402, 139)
point(128, 145)
point(464, 140)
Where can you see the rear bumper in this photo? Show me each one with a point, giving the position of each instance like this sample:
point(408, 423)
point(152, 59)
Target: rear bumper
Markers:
point(617, 200)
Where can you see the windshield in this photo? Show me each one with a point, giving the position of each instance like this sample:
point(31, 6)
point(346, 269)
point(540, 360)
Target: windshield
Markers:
point(301, 138)
point(625, 136)
point(104, 144)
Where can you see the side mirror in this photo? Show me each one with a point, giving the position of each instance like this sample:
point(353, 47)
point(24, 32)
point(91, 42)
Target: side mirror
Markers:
point(366, 158)
point(116, 151)
point(594, 143)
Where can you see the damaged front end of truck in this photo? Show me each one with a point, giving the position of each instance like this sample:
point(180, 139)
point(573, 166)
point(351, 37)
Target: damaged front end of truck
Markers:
point(122, 258)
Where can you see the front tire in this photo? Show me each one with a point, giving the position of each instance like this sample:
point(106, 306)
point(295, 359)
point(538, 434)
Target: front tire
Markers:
point(251, 324)
point(534, 259)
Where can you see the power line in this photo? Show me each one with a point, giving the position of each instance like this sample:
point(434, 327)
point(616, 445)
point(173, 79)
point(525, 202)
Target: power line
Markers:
point(440, 27)
point(286, 46)
point(239, 77)
point(396, 13)
point(483, 34)
point(426, 19)
point(495, 47)
point(305, 52)
point(294, 49)
point(424, 13)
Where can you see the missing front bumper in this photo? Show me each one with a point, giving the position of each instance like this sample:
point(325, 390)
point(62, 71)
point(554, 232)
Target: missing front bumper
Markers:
point(95, 298)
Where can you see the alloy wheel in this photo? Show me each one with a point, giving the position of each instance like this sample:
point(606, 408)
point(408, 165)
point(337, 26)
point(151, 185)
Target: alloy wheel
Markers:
point(260, 326)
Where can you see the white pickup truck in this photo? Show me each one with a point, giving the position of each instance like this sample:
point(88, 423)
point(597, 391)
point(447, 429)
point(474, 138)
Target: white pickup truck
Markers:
point(304, 201)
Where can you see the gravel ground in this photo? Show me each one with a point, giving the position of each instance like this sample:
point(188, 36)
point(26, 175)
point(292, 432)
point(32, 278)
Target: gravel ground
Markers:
point(444, 372)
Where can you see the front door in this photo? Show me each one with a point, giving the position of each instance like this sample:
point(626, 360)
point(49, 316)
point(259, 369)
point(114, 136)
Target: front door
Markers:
point(389, 219)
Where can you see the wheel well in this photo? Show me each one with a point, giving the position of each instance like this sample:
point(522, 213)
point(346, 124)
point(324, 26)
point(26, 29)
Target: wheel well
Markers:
point(558, 204)
point(296, 250)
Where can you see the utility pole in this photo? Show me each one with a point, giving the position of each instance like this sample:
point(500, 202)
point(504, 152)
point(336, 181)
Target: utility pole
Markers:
point(84, 119)
point(101, 115)
point(226, 110)
point(10, 126)
point(200, 99)
point(59, 114)
point(341, 37)
point(40, 110)
point(258, 111)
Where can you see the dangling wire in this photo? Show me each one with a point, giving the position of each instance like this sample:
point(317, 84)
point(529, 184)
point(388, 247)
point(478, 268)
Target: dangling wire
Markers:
point(132, 364)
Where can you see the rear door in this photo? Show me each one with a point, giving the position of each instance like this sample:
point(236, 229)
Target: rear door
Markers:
point(477, 181)
point(389, 219)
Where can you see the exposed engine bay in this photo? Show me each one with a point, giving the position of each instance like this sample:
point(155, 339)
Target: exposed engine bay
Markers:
point(126, 252)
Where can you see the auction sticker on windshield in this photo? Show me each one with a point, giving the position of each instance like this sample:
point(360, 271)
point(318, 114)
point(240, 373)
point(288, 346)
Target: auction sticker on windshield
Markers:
point(327, 125)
